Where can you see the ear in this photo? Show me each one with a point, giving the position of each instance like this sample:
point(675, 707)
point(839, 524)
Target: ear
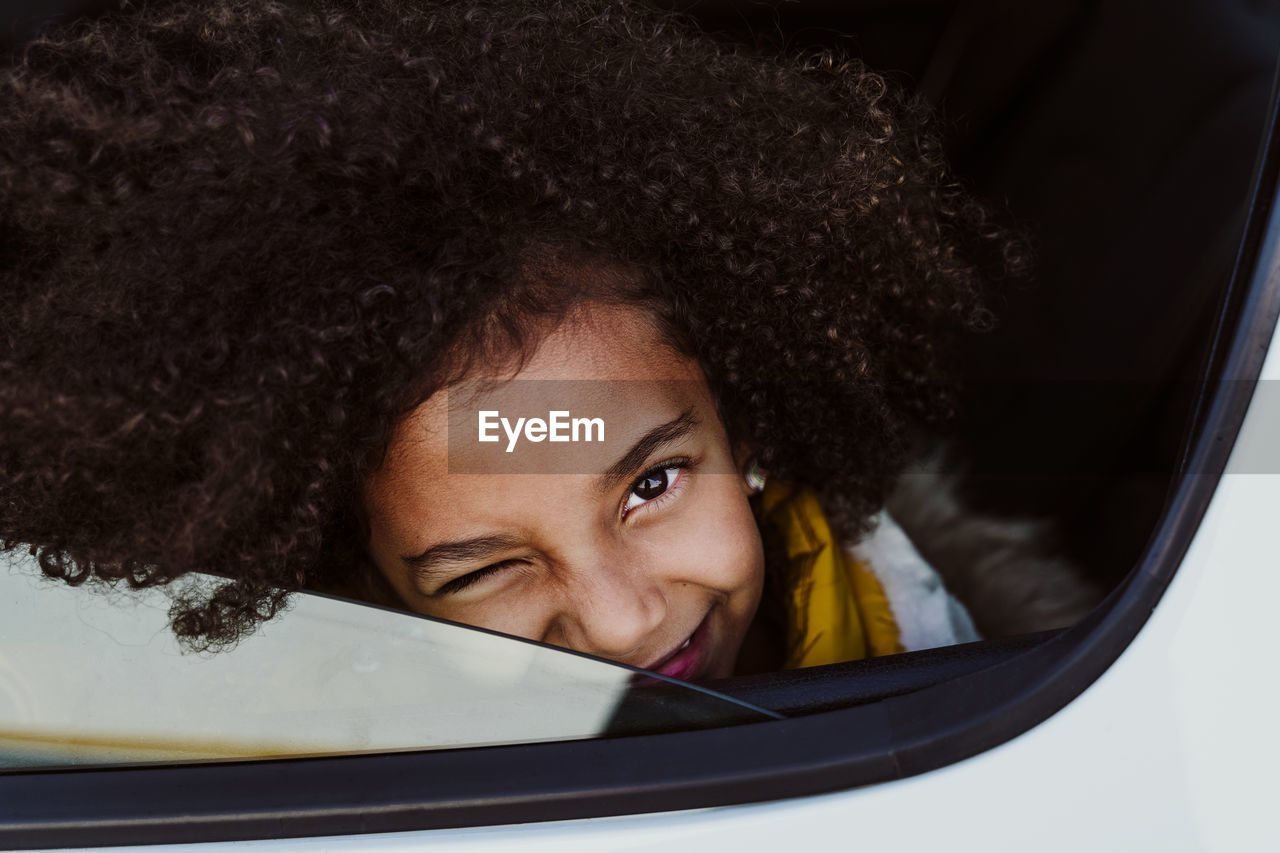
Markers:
point(743, 454)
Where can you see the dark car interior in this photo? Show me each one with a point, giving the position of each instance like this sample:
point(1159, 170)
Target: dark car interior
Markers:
point(1121, 136)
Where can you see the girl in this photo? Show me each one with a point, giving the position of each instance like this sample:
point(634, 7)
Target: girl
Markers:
point(267, 264)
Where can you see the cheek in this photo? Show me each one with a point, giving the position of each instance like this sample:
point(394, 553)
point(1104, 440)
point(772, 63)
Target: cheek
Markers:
point(721, 545)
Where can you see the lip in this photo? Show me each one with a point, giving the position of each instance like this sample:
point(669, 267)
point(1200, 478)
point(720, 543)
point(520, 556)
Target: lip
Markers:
point(687, 660)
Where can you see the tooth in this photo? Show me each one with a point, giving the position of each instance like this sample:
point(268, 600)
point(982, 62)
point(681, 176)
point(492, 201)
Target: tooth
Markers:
point(686, 644)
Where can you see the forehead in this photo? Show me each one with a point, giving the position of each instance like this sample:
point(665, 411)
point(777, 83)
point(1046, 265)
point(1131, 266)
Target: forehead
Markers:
point(598, 341)
point(602, 362)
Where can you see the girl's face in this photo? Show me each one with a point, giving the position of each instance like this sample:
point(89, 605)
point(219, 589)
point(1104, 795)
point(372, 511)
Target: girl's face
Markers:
point(640, 547)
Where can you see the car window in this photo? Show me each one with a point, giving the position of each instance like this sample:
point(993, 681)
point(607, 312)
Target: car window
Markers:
point(94, 678)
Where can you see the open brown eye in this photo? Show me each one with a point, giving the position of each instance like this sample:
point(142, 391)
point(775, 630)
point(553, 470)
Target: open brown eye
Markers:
point(651, 485)
point(655, 483)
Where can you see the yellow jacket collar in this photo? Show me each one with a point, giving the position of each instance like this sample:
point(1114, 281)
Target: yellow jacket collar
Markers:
point(836, 608)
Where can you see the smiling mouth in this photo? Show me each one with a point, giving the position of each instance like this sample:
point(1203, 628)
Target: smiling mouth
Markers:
point(688, 659)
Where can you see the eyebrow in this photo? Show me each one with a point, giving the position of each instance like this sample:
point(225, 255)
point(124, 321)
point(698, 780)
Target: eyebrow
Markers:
point(428, 563)
point(622, 470)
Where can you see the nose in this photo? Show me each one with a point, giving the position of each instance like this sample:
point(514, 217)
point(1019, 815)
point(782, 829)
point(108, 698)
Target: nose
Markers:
point(609, 608)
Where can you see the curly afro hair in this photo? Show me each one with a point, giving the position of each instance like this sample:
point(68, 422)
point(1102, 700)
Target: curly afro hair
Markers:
point(240, 239)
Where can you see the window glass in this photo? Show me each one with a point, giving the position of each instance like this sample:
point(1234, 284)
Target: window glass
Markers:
point(90, 678)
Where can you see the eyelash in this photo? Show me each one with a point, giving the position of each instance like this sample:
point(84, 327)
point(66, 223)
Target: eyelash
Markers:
point(461, 582)
point(681, 463)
